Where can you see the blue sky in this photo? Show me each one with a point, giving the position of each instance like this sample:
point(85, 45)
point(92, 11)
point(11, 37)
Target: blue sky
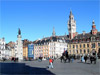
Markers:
point(37, 18)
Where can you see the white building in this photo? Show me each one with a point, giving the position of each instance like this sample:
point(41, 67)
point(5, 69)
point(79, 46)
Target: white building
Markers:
point(7, 52)
point(57, 48)
point(2, 48)
point(52, 46)
point(19, 47)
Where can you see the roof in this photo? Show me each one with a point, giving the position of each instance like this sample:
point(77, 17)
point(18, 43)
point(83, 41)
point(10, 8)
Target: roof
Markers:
point(86, 36)
point(50, 39)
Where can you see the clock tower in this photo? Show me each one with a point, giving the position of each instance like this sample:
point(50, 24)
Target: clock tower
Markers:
point(71, 26)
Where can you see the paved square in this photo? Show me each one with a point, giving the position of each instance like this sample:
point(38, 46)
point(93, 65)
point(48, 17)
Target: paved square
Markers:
point(37, 68)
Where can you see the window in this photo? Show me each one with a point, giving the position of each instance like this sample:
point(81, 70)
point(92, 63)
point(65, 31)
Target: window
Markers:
point(92, 38)
point(88, 51)
point(76, 46)
point(93, 45)
point(77, 51)
point(69, 46)
point(80, 46)
point(99, 44)
point(84, 51)
point(87, 45)
point(83, 45)
point(73, 46)
point(70, 51)
point(80, 51)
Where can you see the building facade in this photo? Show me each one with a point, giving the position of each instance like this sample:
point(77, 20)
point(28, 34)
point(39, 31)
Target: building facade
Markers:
point(19, 47)
point(52, 46)
point(2, 48)
point(25, 52)
point(85, 43)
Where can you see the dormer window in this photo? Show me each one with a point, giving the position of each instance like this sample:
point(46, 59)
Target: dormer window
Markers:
point(88, 40)
point(83, 39)
point(76, 40)
point(73, 40)
point(92, 38)
point(80, 40)
point(97, 38)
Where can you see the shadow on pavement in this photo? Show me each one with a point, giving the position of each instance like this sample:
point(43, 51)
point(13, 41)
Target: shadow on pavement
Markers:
point(21, 68)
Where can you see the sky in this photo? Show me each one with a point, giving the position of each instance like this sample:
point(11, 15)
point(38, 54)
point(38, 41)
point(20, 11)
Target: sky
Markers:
point(36, 18)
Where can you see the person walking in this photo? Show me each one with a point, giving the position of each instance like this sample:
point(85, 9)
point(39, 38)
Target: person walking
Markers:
point(50, 63)
point(91, 59)
point(85, 58)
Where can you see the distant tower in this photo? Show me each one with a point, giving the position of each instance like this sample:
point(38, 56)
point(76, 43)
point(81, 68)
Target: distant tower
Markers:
point(71, 26)
point(94, 30)
point(19, 44)
point(53, 33)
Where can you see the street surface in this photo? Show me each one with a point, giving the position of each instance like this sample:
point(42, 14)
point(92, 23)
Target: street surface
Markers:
point(37, 68)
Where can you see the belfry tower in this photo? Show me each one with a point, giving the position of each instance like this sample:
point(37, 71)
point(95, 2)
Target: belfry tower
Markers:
point(71, 26)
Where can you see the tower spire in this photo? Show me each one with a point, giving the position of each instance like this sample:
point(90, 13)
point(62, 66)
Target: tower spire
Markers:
point(19, 31)
point(70, 12)
point(53, 33)
point(93, 23)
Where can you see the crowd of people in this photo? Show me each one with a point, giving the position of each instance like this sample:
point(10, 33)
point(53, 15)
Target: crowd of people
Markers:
point(83, 58)
point(70, 58)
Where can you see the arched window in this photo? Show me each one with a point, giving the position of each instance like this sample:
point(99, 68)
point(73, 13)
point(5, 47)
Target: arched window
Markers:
point(70, 51)
point(76, 46)
point(80, 51)
point(73, 46)
point(84, 51)
point(77, 51)
point(87, 45)
point(93, 45)
point(88, 51)
point(84, 45)
point(80, 46)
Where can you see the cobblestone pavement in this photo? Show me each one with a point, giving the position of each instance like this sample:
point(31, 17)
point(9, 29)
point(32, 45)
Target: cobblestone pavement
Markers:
point(37, 68)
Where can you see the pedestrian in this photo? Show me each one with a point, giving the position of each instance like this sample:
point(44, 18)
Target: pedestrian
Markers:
point(91, 59)
point(81, 58)
point(85, 58)
point(50, 63)
point(72, 58)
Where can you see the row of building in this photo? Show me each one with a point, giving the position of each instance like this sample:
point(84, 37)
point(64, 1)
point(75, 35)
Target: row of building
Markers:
point(54, 46)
